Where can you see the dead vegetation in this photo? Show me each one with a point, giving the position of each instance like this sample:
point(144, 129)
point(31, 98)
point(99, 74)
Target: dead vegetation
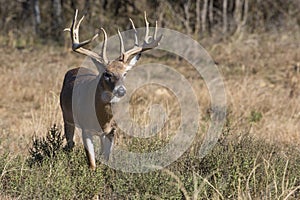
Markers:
point(261, 74)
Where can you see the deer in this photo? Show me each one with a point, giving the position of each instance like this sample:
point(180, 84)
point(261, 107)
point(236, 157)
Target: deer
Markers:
point(77, 101)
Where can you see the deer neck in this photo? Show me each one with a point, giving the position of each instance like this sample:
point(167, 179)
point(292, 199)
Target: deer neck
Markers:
point(103, 108)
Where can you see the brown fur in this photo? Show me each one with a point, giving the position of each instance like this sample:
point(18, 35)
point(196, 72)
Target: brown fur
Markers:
point(83, 78)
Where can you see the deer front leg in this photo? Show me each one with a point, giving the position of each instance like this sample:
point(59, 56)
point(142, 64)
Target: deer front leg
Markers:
point(89, 149)
point(107, 142)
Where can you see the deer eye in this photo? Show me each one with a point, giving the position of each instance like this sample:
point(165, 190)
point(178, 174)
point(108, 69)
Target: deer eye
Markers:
point(107, 76)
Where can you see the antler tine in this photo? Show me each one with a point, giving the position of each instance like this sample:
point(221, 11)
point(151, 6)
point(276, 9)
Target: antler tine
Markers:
point(147, 28)
point(136, 42)
point(73, 22)
point(155, 31)
point(122, 49)
point(104, 46)
point(79, 22)
point(74, 19)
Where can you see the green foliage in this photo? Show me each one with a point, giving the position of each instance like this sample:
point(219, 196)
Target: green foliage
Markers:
point(255, 116)
point(47, 147)
point(66, 178)
point(236, 168)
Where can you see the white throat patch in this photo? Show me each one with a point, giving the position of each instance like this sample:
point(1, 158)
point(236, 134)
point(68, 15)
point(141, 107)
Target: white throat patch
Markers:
point(115, 99)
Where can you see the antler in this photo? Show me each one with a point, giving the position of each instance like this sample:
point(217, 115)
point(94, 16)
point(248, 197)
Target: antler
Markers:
point(150, 42)
point(77, 46)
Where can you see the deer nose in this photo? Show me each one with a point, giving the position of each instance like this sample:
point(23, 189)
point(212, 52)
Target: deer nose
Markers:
point(121, 91)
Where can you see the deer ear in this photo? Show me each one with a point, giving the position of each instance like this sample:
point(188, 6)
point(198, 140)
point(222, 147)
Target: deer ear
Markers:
point(133, 61)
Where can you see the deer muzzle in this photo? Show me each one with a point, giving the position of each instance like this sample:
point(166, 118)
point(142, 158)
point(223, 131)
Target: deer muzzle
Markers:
point(119, 91)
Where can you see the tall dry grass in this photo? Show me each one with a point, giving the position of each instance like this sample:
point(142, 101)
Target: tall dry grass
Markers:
point(260, 74)
point(30, 83)
point(262, 79)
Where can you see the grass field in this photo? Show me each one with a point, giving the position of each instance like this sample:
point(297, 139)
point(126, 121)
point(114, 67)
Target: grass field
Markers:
point(257, 156)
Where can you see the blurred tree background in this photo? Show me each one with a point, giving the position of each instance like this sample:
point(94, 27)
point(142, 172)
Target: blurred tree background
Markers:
point(29, 22)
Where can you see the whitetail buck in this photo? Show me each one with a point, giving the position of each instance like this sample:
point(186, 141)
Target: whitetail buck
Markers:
point(86, 97)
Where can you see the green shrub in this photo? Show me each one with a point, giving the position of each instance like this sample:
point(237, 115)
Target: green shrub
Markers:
point(47, 147)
